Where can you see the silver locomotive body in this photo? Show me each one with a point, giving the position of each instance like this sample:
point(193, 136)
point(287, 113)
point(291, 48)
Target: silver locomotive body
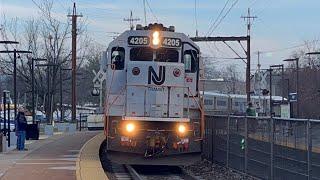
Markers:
point(152, 102)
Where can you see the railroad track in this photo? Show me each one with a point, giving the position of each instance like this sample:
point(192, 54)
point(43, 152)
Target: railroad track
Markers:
point(141, 172)
point(116, 171)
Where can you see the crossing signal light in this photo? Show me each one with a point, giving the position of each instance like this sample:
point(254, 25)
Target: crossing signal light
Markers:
point(242, 144)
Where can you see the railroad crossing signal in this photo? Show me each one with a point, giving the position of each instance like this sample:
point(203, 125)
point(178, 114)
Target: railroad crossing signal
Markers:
point(242, 144)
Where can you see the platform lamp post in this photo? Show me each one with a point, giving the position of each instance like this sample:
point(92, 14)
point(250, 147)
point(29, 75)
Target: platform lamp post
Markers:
point(61, 106)
point(15, 74)
point(48, 65)
point(297, 80)
point(32, 86)
point(270, 91)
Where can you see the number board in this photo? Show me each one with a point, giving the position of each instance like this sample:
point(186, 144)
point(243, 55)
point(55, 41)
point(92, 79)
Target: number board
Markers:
point(171, 42)
point(138, 40)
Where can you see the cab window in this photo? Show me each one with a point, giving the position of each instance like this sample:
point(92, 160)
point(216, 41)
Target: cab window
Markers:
point(117, 58)
point(190, 61)
point(167, 55)
point(141, 54)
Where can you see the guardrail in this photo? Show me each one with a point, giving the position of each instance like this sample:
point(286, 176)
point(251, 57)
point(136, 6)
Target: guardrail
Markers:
point(264, 147)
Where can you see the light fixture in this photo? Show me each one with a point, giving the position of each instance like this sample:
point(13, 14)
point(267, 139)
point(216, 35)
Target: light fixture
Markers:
point(156, 38)
point(182, 129)
point(130, 127)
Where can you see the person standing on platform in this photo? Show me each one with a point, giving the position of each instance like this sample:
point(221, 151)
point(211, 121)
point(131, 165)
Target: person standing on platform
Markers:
point(21, 125)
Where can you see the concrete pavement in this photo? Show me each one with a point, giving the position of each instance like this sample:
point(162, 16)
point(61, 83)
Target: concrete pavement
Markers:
point(51, 158)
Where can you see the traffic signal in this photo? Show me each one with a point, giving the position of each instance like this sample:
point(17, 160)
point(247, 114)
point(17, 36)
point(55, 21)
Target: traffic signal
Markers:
point(242, 144)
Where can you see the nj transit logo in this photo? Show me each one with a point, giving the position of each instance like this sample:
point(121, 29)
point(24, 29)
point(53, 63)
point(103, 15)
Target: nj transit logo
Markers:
point(157, 79)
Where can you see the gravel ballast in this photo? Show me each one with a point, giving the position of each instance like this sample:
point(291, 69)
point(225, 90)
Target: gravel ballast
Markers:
point(207, 170)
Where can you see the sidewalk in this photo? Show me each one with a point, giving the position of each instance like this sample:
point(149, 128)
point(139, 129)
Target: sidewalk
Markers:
point(51, 158)
point(9, 158)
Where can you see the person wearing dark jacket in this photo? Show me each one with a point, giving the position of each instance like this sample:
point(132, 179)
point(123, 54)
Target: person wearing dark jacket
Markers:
point(21, 125)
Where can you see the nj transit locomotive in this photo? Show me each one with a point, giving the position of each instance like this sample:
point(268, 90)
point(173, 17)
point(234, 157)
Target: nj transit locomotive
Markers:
point(152, 102)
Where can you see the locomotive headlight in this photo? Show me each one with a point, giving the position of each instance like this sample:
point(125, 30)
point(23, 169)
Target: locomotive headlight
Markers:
point(156, 38)
point(182, 129)
point(130, 127)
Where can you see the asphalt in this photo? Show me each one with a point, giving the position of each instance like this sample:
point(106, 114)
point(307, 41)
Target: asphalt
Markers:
point(49, 159)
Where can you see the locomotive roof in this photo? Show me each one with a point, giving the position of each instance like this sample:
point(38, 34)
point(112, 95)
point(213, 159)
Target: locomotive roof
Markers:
point(123, 37)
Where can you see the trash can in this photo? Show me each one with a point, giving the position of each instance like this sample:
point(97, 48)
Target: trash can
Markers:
point(32, 131)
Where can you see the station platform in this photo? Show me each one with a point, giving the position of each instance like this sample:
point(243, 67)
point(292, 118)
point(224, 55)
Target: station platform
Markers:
point(55, 157)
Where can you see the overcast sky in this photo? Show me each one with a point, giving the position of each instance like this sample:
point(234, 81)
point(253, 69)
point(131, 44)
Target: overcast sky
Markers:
point(281, 24)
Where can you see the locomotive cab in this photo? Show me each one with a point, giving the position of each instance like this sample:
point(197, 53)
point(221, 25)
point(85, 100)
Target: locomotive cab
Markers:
point(152, 103)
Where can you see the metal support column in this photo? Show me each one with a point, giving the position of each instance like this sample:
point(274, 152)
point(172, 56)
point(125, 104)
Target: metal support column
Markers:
point(271, 147)
point(8, 130)
point(309, 155)
point(4, 112)
point(246, 145)
point(228, 140)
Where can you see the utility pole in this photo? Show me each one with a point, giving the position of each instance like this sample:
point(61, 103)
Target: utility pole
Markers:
point(249, 20)
point(131, 20)
point(74, 17)
point(260, 79)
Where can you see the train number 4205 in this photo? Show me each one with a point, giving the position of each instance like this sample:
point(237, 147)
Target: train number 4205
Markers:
point(171, 42)
point(138, 40)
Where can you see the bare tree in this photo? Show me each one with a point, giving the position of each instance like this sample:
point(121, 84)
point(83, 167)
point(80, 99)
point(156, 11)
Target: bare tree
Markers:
point(47, 37)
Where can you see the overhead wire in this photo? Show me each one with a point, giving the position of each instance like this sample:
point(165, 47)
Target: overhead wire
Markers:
point(216, 20)
point(153, 14)
point(225, 15)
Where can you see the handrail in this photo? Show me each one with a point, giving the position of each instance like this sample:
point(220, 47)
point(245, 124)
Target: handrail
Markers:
point(202, 124)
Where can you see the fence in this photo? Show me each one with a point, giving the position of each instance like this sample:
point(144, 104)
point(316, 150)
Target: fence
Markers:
point(267, 148)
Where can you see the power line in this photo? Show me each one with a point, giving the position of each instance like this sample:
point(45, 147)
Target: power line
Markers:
point(219, 22)
point(290, 47)
point(151, 11)
point(212, 25)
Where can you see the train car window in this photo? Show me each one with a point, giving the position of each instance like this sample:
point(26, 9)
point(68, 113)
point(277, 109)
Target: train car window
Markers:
point(141, 54)
point(167, 55)
point(117, 58)
point(221, 103)
point(208, 102)
point(190, 58)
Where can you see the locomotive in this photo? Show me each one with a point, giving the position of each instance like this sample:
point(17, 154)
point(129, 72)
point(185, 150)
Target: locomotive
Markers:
point(152, 106)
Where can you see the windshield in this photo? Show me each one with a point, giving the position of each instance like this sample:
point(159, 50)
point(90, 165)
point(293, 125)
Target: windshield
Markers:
point(149, 54)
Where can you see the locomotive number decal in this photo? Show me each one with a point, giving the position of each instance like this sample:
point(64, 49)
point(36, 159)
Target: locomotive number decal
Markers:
point(156, 79)
point(171, 42)
point(138, 40)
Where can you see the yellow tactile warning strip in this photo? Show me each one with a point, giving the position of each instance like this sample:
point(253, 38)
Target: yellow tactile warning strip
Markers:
point(88, 164)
